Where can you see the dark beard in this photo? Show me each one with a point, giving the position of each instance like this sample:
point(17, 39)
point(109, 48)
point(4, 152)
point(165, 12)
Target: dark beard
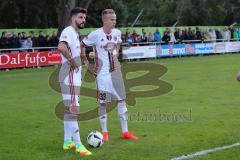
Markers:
point(80, 26)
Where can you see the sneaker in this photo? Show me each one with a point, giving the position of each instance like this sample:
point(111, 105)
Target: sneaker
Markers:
point(129, 135)
point(82, 150)
point(68, 144)
point(105, 136)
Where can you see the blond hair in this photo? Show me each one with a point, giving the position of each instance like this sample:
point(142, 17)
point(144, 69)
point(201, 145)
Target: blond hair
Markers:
point(107, 11)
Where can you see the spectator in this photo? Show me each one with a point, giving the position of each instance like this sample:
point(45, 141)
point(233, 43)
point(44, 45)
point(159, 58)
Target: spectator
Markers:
point(20, 40)
point(226, 34)
point(34, 39)
point(134, 36)
point(143, 37)
point(172, 37)
point(24, 35)
point(212, 35)
point(4, 41)
point(184, 35)
point(42, 40)
point(127, 35)
point(198, 34)
point(157, 36)
point(218, 34)
point(27, 43)
point(53, 41)
point(192, 35)
point(189, 33)
point(231, 29)
point(177, 35)
point(138, 39)
point(13, 41)
point(238, 30)
point(128, 38)
point(150, 37)
point(166, 38)
point(127, 32)
point(235, 34)
point(206, 35)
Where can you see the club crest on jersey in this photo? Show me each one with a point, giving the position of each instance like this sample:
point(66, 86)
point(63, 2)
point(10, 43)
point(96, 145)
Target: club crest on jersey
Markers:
point(110, 46)
point(102, 40)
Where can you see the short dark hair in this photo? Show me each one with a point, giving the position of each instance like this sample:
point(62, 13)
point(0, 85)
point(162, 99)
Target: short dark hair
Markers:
point(77, 10)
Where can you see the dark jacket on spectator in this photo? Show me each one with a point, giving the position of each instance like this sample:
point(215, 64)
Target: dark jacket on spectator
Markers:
point(42, 41)
point(199, 35)
point(14, 42)
point(177, 36)
point(4, 43)
point(166, 38)
point(34, 42)
point(219, 35)
point(53, 41)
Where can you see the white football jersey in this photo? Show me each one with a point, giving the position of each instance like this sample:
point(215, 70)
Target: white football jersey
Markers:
point(71, 37)
point(105, 48)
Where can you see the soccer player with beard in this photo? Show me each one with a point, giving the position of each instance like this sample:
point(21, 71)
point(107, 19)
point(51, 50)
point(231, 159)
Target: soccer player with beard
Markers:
point(70, 79)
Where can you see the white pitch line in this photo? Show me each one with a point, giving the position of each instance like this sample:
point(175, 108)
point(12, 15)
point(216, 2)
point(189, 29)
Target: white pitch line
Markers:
point(205, 152)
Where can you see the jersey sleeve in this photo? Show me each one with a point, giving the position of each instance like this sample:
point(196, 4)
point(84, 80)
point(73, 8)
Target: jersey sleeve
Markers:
point(91, 39)
point(66, 37)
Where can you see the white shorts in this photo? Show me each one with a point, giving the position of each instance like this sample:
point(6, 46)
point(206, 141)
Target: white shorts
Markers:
point(70, 82)
point(70, 94)
point(110, 86)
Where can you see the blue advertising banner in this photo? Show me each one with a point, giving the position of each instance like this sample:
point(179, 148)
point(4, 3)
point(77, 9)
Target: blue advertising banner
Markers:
point(184, 49)
point(204, 48)
point(170, 50)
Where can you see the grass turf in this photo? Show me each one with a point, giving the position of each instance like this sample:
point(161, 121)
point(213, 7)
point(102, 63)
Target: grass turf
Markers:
point(205, 85)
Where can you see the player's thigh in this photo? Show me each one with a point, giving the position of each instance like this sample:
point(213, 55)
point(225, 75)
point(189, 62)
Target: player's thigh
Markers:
point(70, 94)
point(118, 87)
point(104, 85)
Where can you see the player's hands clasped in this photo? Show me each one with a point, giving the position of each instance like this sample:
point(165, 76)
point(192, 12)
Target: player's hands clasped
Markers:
point(72, 63)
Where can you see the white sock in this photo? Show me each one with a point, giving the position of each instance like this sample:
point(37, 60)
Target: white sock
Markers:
point(75, 133)
point(67, 130)
point(123, 116)
point(102, 112)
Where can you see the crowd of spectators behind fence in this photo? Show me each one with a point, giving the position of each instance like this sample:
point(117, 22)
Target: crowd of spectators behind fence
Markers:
point(183, 35)
point(23, 41)
point(187, 35)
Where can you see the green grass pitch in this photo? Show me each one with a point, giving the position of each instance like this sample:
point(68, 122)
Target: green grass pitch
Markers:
point(204, 88)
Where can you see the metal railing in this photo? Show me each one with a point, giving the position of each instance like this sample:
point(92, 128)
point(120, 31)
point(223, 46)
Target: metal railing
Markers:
point(34, 49)
point(125, 44)
point(178, 42)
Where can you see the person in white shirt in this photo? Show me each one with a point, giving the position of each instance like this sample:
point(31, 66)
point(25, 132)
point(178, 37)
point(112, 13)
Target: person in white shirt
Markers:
point(212, 35)
point(106, 43)
point(70, 79)
point(27, 43)
point(226, 34)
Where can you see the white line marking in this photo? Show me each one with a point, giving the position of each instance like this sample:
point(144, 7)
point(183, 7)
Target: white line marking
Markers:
point(206, 152)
